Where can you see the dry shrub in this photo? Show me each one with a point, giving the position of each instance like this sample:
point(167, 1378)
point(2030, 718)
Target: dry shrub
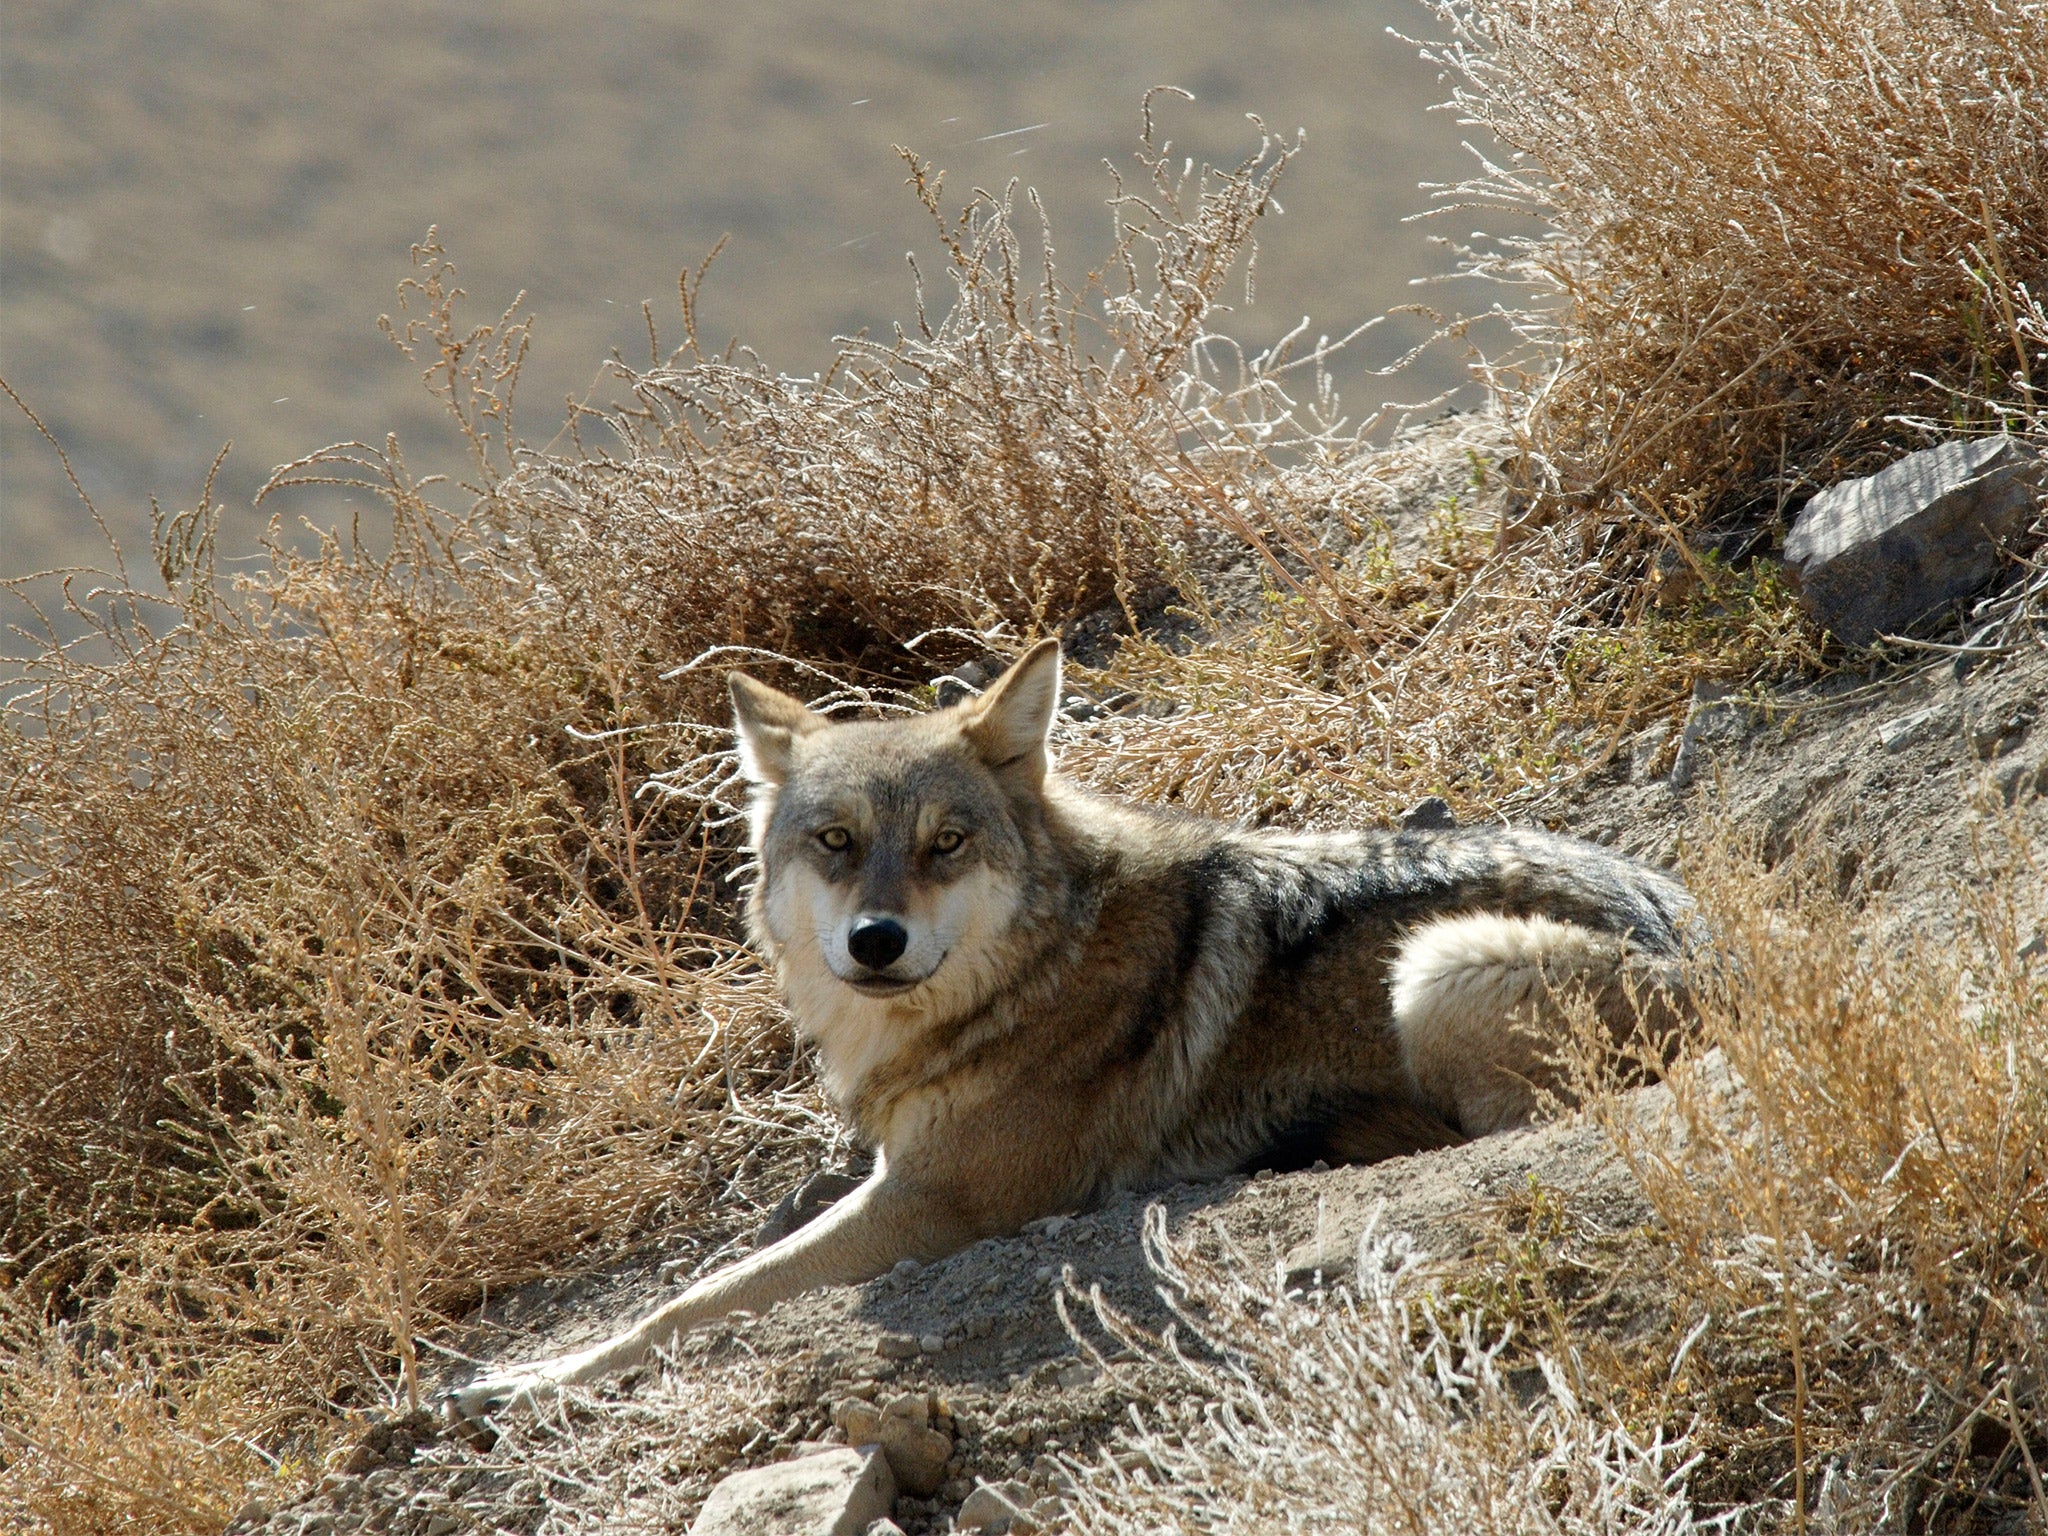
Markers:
point(1772, 229)
point(342, 980)
point(1401, 647)
point(1855, 1187)
point(1361, 1408)
point(1027, 454)
point(346, 969)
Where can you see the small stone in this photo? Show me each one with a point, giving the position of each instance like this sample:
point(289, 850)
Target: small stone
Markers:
point(1910, 730)
point(442, 1523)
point(884, 1528)
point(1431, 814)
point(905, 1269)
point(1048, 1473)
point(836, 1493)
point(992, 1502)
point(897, 1346)
point(932, 1343)
point(956, 1490)
point(2018, 780)
point(1077, 1376)
point(917, 1455)
point(913, 1406)
point(1873, 556)
point(860, 1422)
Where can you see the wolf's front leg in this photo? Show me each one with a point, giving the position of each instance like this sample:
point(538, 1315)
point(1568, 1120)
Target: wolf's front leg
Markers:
point(862, 1236)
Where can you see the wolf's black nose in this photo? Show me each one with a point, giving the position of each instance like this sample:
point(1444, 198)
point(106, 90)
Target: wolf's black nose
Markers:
point(877, 942)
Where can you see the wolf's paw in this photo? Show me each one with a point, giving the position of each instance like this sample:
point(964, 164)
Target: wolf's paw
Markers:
point(516, 1389)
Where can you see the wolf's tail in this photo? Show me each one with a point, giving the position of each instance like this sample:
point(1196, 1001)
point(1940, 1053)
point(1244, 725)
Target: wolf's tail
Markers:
point(1480, 1008)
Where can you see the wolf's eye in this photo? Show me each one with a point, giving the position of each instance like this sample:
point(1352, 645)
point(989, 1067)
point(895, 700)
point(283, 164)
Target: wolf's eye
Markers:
point(949, 841)
point(838, 839)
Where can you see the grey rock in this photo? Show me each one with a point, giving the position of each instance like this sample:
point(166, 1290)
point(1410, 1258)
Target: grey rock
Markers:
point(1431, 814)
point(917, 1455)
point(1874, 556)
point(898, 1346)
point(993, 1503)
point(2016, 781)
point(835, 1493)
point(1921, 725)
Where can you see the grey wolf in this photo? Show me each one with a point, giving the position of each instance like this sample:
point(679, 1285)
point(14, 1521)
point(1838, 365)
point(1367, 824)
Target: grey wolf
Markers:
point(1027, 997)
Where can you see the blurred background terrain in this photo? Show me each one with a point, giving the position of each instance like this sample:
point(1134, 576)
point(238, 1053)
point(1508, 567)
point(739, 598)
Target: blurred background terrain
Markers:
point(205, 205)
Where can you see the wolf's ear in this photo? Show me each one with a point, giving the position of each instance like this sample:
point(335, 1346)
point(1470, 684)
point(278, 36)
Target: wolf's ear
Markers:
point(1008, 724)
point(766, 721)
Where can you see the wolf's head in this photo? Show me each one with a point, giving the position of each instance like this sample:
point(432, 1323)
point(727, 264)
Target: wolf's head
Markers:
point(894, 854)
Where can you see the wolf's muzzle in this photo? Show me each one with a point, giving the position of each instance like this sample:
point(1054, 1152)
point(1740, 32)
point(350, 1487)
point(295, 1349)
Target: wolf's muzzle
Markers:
point(877, 942)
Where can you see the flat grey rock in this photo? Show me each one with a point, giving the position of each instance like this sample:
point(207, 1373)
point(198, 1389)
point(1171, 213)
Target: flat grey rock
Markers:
point(834, 1493)
point(1875, 556)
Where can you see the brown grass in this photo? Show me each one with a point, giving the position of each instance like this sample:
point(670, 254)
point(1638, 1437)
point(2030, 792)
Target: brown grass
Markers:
point(1857, 1196)
point(1770, 232)
point(350, 971)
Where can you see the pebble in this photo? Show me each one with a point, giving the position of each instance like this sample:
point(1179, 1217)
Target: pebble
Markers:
point(932, 1344)
point(897, 1346)
point(1909, 730)
point(843, 1490)
point(917, 1455)
point(860, 1421)
point(993, 1502)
